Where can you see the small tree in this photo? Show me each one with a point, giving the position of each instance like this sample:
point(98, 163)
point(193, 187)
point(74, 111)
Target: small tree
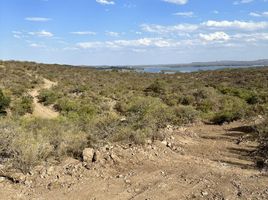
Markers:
point(4, 102)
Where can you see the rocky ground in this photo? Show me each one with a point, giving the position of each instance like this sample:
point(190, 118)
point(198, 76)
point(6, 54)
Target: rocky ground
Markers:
point(195, 162)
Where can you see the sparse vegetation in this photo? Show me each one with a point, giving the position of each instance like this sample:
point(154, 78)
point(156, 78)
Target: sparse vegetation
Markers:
point(97, 107)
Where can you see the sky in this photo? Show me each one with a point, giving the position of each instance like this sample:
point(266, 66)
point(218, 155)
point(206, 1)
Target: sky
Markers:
point(133, 32)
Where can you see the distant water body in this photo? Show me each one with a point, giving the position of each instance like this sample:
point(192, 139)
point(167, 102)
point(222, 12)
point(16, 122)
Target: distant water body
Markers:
point(172, 70)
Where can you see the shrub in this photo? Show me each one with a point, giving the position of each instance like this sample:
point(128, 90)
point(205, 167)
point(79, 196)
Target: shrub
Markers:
point(75, 109)
point(47, 97)
point(149, 112)
point(186, 114)
point(230, 109)
point(23, 105)
point(4, 102)
point(156, 88)
point(262, 136)
point(28, 142)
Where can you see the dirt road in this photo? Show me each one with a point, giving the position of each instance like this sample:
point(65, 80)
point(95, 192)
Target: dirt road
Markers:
point(199, 162)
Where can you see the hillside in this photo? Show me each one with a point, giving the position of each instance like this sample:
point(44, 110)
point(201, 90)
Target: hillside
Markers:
point(75, 132)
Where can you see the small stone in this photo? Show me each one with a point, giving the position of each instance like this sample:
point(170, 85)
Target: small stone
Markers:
point(127, 181)
point(119, 176)
point(204, 193)
point(137, 190)
point(2, 179)
point(164, 142)
point(169, 144)
point(88, 155)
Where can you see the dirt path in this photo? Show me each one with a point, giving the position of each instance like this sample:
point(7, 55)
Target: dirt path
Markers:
point(200, 162)
point(40, 110)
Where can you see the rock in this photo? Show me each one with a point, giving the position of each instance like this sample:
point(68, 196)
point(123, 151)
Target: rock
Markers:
point(88, 155)
point(119, 176)
point(169, 144)
point(114, 158)
point(2, 179)
point(204, 193)
point(127, 181)
point(164, 142)
point(137, 190)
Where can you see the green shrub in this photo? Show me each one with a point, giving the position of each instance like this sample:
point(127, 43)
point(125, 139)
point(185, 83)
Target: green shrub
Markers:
point(156, 88)
point(76, 109)
point(4, 102)
point(230, 109)
point(47, 97)
point(186, 115)
point(23, 105)
point(149, 112)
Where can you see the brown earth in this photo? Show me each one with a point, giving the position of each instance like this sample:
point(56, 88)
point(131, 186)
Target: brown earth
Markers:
point(196, 162)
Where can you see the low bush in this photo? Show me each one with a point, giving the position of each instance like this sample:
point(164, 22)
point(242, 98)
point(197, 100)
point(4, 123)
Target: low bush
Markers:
point(48, 97)
point(186, 115)
point(26, 143)
point(230, 109)
point(4, 102)
point(23, 105)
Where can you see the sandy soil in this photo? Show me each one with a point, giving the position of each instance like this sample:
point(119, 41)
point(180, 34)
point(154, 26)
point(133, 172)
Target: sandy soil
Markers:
point(198, 162)
point(40, 110)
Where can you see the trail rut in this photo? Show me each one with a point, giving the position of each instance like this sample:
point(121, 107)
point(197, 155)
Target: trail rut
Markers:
point(39, 110)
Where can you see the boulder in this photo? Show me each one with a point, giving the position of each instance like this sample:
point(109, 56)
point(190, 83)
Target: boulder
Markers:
point(88, 155)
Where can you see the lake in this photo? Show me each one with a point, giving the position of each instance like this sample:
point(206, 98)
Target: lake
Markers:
point(172, 70)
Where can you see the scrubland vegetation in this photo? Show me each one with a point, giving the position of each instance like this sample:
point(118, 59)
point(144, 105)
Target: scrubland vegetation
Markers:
point(99, 107)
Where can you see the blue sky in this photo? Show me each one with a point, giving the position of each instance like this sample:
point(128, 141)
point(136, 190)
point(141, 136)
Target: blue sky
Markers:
point(119, 32)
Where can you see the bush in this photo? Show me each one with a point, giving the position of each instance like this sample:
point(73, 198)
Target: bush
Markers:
point(262, 136)
point(230, 109)
point(156, 88)
point(23, 105)
point(26, 143)
point(47, 97)
point(149, 112)
point(4, 102)
point(186, 115)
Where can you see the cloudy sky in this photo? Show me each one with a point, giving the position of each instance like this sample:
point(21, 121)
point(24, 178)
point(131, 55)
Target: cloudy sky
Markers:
point(118, 32)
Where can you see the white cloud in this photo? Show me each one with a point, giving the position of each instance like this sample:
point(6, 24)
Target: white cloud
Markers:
point(17, 36)
point(105, 2)
point(259, 14)
point(217, 36)
point(153, 28)
point(252, 37)
point(35, 45)
point(179, 2)
point(37, 19)
point(42, 33)
point(242, 2)
point(112, 34)
point(84, 33)
point(138, 43)
point(243, 25)
point(89, 45)
point(184, 14)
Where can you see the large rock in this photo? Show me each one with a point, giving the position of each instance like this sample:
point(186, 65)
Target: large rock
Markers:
point(88, 155)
